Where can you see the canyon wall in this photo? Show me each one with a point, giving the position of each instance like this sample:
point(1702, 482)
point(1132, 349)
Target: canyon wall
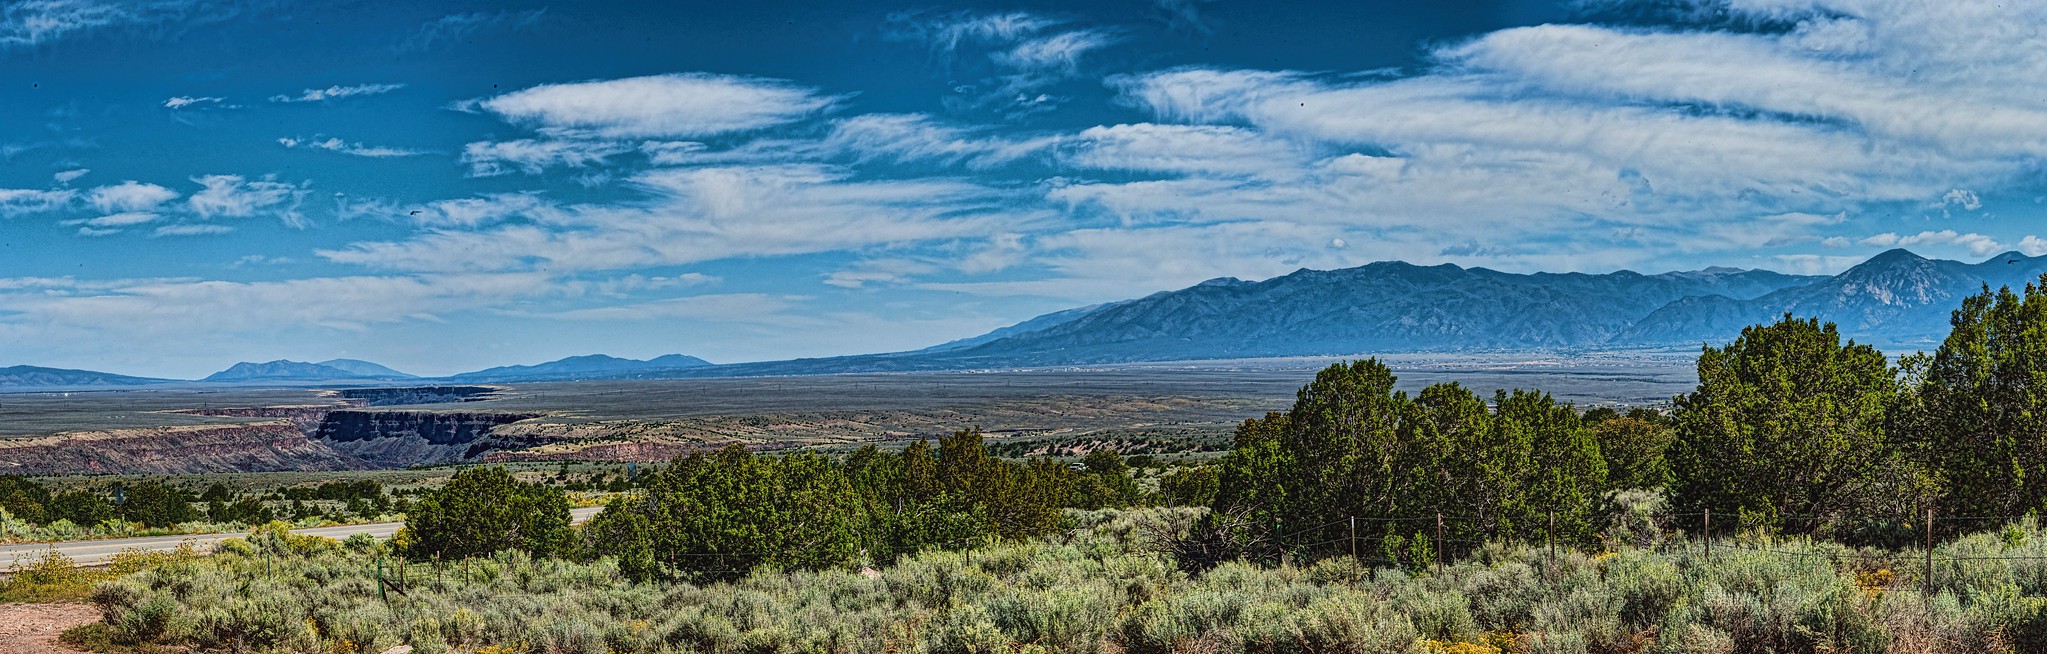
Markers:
point(268, 445)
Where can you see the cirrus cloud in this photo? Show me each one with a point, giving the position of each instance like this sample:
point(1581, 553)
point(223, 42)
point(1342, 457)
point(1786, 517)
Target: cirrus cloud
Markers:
point(683, 105)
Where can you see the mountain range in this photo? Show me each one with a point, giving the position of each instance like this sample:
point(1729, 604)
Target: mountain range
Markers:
point(579, 367)
point(1897, 300)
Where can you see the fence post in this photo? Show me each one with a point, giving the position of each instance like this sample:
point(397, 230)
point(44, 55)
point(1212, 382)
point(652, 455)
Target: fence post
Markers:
point(1707, 531)
point(1929, 551)
point(1353, 540)
point(380, 581)
point(1439, 541)
point(1550, 536)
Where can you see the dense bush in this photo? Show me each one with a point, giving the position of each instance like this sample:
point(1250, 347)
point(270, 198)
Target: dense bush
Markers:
point(24, 499)
point(1353, 448)
point(1786, 427)
point(156, 504)
point(724, 512)
point(729, 511)
point(1981, 410)
point(484, 510)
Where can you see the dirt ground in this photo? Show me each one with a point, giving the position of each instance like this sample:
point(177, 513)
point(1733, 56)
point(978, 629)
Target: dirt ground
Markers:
point(33, 628)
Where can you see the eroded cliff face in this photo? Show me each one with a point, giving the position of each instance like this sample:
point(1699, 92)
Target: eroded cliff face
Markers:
point(398, 439)
point(345, 434)
point(268, 445)
point(306, 418)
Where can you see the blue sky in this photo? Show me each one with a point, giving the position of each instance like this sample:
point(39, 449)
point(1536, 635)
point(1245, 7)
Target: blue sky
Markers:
point(448, 186)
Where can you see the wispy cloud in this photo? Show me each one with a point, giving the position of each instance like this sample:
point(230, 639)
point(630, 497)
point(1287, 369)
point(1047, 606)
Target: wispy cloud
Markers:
point(68, 176)
point(334, 144)
point(191, 230)
point(183, 101)
point(707, 214)
point(34, 23)
point(18, 201)
point(130, 196)
point(337, 92)
point(1004, 60)
point(912, 137)
point(450, 29)
point(1977, 244)
point(683, 105)
point(232, 196)
point(533, 156)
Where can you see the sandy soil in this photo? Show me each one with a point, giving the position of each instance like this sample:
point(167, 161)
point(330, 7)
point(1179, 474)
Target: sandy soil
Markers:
point(33, 628)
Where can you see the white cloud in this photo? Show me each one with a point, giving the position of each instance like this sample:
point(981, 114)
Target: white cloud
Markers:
point(1216, 149)
point(457, 27)
point(1693, 140)
point(2033, 246)
point(682, 105)
point(706, 214)
point(191, 230)
point(478, 211)
point(18, 201)
point(232, 196)
point(908, 137)
point(531, 156)
point(1813, 264)
point(1002, 60)
point(1963, 198)
point(332, 144)
point(716, 308)
point(337, 92)
point(128, 219)
point(209, 309)
point(130, 196)
point(1056, 54)
point(947, 33)
point(1977, 244)
point(67, 176)
point(181, 102)
point(34, 23)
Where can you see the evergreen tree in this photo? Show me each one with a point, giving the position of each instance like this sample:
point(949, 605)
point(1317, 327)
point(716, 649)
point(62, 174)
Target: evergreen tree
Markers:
point(25, 500)
point(485, 510)
point(83, 508)
point(724, 512)
point(1634, 447)
point(1786, 427)
point(1189, 486)
point(156, 504)
point(1980, 419)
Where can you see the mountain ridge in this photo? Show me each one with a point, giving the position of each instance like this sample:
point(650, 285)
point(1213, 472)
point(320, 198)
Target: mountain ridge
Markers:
point(578, 367)
point(1893, 299)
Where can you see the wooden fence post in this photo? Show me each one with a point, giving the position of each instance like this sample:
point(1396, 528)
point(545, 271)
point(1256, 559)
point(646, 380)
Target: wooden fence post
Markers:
point(1929, 551)
point(1439, 541)
point(1707, 531)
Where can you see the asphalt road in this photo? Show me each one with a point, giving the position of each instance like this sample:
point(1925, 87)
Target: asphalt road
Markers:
point(97, 552)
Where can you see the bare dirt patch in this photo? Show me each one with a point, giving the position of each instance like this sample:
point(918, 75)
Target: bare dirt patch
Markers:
point(33, 628)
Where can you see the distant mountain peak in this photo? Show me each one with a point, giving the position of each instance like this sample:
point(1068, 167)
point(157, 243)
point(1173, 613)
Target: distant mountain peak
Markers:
point(1894, 256)
point(582, 366)
point(364, 368)
point(2013, 256)
point(282, 370)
